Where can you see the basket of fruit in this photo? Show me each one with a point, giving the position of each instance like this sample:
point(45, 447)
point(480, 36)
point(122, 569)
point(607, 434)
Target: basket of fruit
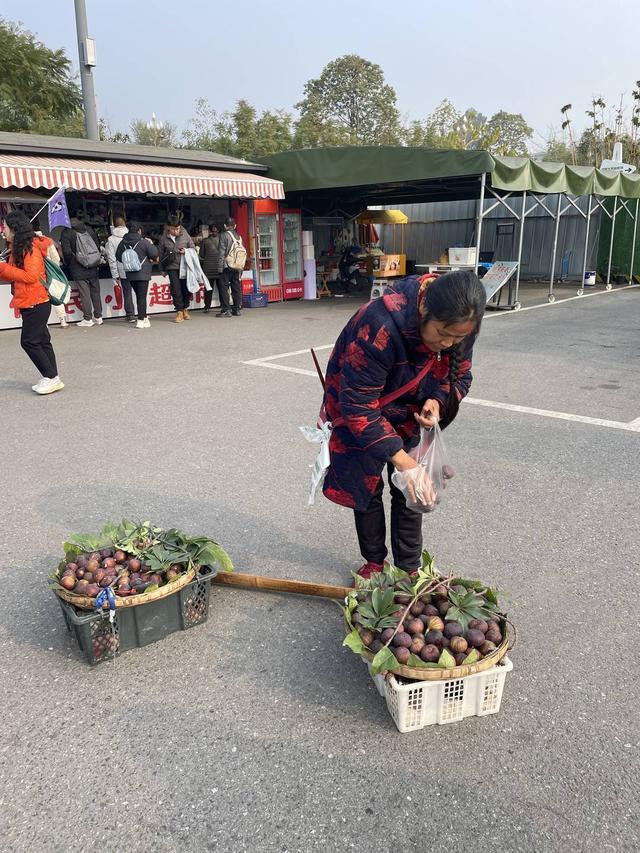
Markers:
point(426, 627)
point(103, 634)
point(141, 583)
point(138, 563)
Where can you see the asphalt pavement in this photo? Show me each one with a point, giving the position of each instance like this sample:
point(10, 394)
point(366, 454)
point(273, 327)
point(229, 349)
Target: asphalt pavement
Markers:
point(258, 731)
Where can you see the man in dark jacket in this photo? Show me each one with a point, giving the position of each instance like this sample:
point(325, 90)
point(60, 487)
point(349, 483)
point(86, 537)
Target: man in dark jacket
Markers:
point(229, 278)
point(172, 246)
point(209, 261)
point(81, 252)
point(139, 279)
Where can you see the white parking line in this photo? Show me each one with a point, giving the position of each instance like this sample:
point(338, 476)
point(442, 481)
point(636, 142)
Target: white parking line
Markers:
point(558, 302)
point(631, 426)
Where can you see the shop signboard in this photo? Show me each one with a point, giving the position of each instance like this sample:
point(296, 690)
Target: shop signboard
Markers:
point(498, 276)
point(158, 301)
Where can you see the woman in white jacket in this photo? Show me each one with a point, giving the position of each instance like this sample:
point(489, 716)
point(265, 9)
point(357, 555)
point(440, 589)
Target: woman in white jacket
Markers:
point(118, 230)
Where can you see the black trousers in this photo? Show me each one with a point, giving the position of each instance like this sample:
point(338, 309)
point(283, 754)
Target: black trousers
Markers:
point(208, 294)
point(89, 290)
point(179, 290)
point(406, 529)
point(141, 288)
point(230, 279)
point(35, 339)
point(127, 297)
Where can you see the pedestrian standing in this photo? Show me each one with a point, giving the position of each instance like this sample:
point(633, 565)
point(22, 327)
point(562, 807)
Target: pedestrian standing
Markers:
point(81, 251)
point(209, 260)
point(172, 246)
point(118, 230)
point(401, 363)
point(133, 245)
point(26, 272)
point(231, 258)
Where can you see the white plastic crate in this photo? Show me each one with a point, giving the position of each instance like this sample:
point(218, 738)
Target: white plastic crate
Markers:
point(462, 255)
point(417, 704)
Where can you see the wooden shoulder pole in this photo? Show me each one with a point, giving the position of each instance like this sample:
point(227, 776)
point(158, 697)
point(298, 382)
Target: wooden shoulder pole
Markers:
point(246, 581)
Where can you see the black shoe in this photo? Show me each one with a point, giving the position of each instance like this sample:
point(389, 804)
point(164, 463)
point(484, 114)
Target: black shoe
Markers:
point(224, 314)
point(236, 313)
point(206, 310)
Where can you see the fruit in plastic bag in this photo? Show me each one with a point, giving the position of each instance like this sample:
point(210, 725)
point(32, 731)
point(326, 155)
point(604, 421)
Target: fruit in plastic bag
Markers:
point(423, 486)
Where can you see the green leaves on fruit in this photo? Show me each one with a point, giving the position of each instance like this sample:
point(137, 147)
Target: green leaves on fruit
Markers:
point(384, 661)
point(446, 660)
point(354, 642)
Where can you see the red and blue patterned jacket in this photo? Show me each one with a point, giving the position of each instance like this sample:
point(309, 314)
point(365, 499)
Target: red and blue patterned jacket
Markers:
point(377, 352)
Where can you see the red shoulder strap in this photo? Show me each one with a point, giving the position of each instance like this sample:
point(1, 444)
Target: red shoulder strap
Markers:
point(409, 386)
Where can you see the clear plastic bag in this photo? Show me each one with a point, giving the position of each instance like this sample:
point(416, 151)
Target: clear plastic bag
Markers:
point(424, 485)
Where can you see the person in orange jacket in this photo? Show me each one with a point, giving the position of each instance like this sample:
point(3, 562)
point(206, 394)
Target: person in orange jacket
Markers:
point(26, 273)
point(49, 250)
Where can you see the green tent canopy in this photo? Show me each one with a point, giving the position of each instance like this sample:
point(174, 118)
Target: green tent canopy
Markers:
point(516, 174)
point(396, 174)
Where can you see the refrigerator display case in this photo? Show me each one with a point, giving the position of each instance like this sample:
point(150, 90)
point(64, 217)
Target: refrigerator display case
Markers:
point(292, 269)
point(268, 250)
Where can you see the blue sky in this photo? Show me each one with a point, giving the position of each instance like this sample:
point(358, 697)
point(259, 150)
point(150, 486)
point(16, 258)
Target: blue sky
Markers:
point(529, 57)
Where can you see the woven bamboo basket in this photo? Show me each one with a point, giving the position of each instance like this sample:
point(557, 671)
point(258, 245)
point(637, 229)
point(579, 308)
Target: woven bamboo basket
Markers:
point(418, 674)
point(86, 603)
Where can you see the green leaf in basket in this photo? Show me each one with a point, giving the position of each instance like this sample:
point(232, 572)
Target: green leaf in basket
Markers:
point(418, 663)
point(491, 595)
point(86, 541)
point(446, 660)
point(384, 661)
point(152, 587)
point(472, 657)
point(354, 642)
point(349, 606)
point(71, 551)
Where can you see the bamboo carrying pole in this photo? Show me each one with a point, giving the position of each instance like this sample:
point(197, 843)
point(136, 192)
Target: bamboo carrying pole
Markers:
point(246, 581)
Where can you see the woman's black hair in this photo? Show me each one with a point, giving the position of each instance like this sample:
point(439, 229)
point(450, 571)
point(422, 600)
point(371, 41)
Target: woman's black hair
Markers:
point(174, 221)
point(23, 235)
point(455, 297)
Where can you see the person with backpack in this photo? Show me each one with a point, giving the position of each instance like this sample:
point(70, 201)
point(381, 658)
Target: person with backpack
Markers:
point(26, 272)
point(49, 250)
point(232, 257)
point(136, 253)
point(402, 362)
point(172, 246)
point(209, 260)
point(118, 230)
point(81, 252)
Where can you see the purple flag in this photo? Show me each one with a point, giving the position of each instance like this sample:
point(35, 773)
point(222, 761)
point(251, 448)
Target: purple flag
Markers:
point(57, 209)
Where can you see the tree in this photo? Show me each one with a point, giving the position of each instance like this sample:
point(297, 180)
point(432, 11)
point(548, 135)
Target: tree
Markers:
point(241, 132)
point(154, 132)
point(348, 104)
point(504, 133)
point(507, 134)
point(557, 151)
point(37, 88)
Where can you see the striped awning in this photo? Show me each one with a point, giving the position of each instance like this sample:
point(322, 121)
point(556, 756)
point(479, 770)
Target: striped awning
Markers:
point(19, 171)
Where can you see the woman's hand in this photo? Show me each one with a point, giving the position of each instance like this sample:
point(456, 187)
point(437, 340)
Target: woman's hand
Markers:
point(429, 415)
point(401, 461)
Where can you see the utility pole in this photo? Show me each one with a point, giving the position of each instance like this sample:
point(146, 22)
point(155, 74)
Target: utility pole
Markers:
point(87, 57)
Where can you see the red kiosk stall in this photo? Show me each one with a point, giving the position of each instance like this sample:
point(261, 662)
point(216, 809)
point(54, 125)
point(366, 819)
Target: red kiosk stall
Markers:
point(104, 180)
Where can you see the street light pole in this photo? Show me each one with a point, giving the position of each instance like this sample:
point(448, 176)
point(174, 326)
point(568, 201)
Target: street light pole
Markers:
point(87, 57)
